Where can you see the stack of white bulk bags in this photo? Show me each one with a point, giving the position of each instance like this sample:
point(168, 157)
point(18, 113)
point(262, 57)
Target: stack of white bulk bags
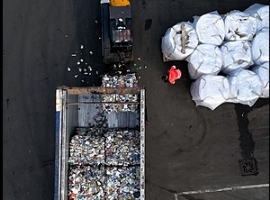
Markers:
point(224, 51)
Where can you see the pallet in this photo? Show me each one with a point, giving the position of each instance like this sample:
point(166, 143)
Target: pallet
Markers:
point(164, 58)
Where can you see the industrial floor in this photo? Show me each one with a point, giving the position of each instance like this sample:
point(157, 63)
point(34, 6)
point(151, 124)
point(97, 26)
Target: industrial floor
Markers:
point(192, 153)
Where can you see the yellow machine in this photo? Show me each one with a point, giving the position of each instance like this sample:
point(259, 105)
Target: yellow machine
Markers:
point(116, 31)
point(120, 3)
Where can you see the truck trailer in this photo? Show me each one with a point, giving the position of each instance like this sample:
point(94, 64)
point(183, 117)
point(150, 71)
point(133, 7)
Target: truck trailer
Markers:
point(114, 171)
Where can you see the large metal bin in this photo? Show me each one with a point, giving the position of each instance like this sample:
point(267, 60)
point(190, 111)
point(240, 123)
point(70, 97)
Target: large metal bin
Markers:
point(74, 108)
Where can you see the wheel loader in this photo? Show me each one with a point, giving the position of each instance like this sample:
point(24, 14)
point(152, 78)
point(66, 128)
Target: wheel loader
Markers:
point(116, 31)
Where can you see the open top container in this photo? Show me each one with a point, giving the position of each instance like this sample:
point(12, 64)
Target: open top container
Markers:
point(75, 107)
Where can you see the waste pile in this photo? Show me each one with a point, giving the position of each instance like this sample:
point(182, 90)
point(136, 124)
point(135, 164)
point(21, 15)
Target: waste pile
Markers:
point(232, 46)
point(122, 147)
point(119, 81)
point(104, 164)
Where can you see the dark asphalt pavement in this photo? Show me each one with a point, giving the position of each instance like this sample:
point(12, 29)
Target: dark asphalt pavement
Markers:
point(188, 148)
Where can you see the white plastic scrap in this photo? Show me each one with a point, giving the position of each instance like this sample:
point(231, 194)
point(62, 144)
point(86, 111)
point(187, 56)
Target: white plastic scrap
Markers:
point(210, 28)
point(245, 87)
point(81, 46)
point(236, 55)
point(261, 14)
point(206, 59)
point(87, 182)
point(260, 47)
point(88, 149)
point(68, 68)
point(128, 80)
point(171, 44)
point(263, 72)
point(239, 26)
point(122, 147)
point(210, 91)
point(122, 183)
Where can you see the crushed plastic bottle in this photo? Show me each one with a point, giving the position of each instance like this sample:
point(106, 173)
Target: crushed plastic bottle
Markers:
point(122, 147)
point(122, 183)
point(87, 182)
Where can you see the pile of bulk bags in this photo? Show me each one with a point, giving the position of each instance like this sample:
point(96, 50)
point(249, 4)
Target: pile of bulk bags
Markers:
point(227, 55)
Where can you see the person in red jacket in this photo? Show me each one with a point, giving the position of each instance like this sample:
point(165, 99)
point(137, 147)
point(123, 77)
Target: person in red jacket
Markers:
point(174, 74)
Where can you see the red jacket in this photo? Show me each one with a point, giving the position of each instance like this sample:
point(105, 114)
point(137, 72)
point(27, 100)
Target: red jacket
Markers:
point(174, 74)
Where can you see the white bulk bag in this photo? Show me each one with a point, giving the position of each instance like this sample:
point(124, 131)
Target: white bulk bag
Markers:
point(261, 14)
point(210, 91)
point(210, 28)
point(263, 72)
point(206, 59)
point(260, 47)
point(171, 44)
point(239, 26)
point(245, 87)
point(236, 55)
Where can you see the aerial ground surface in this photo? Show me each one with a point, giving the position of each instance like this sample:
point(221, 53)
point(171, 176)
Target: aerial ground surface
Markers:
point(188, 148)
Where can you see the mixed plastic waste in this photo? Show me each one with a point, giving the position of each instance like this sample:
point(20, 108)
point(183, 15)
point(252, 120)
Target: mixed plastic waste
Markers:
point(128, 80)
point(104, 164)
